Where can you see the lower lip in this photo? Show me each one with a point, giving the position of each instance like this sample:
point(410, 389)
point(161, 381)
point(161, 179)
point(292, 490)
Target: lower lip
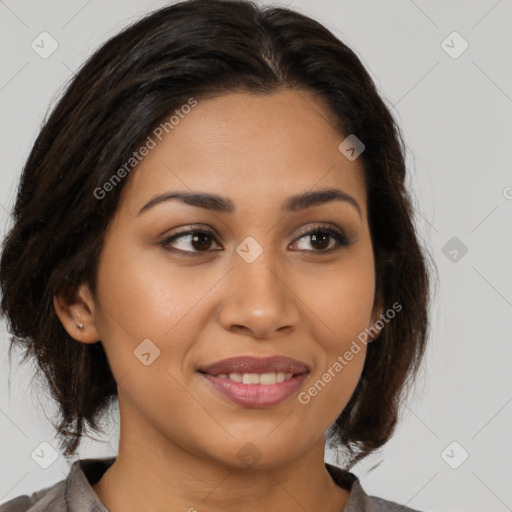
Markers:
point(256, 395)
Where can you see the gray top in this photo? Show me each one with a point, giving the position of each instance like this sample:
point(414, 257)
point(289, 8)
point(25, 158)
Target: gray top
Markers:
point(75, 494)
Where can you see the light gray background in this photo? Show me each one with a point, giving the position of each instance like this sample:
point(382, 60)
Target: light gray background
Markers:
point(456, 115)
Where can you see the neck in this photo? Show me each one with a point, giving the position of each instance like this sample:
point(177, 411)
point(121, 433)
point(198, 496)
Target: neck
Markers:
point(169, 477)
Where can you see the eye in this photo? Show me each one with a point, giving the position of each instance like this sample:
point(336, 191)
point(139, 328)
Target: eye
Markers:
point(199, 239)
point(319, 237)
point(194, 241)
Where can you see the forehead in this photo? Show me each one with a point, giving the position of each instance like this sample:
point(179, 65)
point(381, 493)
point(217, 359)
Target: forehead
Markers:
point(250, 148)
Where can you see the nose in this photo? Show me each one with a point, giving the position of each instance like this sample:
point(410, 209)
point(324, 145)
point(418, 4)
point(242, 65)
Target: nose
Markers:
point(258, 299)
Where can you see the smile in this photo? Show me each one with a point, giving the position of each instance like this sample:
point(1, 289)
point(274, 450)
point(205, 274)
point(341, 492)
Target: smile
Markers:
point(248, 390)
point(257, 378)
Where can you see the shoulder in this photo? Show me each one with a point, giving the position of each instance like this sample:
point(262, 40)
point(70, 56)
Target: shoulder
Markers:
point(50, 498)
point(74, 494)
point(359, 500)
point(366, 503)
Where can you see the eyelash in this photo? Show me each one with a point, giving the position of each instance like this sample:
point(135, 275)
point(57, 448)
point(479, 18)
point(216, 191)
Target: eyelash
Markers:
point(328, 229)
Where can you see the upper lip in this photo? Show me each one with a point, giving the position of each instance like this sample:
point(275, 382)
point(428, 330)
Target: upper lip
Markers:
point(249, 364)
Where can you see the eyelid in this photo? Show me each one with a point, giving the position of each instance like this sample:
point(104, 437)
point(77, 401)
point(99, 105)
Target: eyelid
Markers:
point(332, 230)
point(185, 231)
point(320, 226)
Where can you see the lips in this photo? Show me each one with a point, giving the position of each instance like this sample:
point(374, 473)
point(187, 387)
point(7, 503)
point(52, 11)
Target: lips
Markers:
point(255, 396)
point(249, 364)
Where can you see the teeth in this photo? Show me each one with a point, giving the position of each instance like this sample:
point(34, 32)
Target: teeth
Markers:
point(268, 378)
point(250, 378)
point(257, 378)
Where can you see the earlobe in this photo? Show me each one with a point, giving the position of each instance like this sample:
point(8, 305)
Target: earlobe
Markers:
point(77, 317)
point(377, 314)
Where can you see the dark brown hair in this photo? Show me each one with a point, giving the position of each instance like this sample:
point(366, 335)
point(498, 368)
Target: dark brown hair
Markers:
point(200, 49)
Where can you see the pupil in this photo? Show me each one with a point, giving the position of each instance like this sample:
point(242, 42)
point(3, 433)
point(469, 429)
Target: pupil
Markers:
point(322, 243)
point(200, 239)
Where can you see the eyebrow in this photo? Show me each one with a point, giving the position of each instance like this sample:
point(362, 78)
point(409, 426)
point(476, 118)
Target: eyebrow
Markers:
point(224, 205)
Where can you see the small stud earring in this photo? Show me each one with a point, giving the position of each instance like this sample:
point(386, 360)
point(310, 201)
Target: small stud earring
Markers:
point(80, 326)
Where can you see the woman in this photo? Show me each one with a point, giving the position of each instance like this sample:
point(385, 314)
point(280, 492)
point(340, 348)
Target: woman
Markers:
point(212, 228)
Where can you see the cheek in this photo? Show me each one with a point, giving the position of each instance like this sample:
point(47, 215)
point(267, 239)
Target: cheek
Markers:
point(145, 292)
point(329, 390)
point(145, 295)
point(342, 297)
point(342, 301)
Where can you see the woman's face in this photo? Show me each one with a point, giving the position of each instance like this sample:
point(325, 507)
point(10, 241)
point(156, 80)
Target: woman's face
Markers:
point(249, 281)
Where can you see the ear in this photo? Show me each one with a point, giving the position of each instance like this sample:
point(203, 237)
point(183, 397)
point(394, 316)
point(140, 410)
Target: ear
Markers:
point(377, 313)
point(77, 317)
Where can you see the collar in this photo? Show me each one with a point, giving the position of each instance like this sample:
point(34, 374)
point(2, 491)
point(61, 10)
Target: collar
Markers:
point(78, 493)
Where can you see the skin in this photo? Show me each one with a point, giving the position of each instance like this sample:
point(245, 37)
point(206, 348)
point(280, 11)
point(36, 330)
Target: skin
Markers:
point(179, 438)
